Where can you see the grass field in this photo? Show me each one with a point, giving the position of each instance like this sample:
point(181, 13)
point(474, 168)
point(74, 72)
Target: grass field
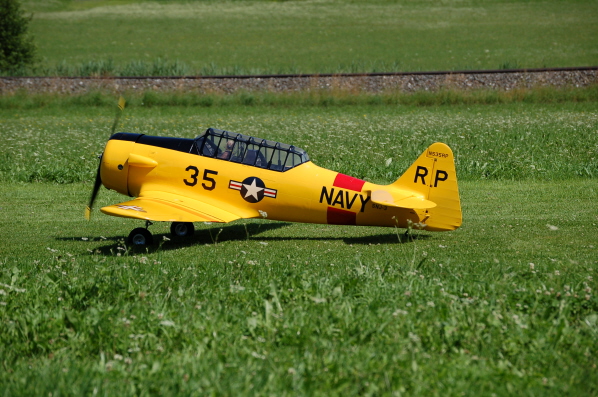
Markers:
point(327, 36)
point(505, 305)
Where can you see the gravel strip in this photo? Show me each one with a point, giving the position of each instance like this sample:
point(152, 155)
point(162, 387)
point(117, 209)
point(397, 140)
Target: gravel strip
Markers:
point(355, 84)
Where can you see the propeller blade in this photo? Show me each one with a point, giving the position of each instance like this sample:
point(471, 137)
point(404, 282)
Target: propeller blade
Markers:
point(98, 182)
point(121, 106)
point(94, 192)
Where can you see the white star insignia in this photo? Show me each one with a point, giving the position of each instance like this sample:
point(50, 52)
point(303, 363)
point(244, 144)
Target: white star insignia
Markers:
point(253, 190)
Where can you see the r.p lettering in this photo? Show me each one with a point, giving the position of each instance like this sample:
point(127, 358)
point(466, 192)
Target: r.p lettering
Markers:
point(421, 172)
point(440, 177)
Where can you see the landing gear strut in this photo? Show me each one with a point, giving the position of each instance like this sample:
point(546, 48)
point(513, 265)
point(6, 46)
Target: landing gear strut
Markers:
point(141, 236)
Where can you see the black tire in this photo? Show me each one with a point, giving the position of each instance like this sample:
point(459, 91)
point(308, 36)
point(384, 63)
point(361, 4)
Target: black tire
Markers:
point(140, 237)
point(182, 229)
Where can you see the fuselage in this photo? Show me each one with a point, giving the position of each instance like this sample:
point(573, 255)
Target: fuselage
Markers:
point(139, 165)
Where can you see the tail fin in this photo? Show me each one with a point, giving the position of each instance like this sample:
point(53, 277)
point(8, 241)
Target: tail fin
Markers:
point(433, 175)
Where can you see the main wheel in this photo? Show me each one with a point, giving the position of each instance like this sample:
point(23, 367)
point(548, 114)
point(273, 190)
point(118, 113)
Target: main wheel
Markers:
point(140, 237)
point(182, 229)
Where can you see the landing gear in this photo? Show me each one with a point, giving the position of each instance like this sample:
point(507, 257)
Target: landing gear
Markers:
point(182, 229)
point(141, 237)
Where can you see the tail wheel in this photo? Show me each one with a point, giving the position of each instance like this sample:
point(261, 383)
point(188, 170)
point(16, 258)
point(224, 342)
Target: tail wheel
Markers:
point(182, 229)
point(140, 237)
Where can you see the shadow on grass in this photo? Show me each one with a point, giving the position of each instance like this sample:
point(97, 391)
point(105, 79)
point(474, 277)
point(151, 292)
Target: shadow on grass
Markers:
point(240, 232)
point(166, 242)
point(384, 238)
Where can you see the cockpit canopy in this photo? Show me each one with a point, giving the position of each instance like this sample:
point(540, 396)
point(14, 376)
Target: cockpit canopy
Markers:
point(257, 152)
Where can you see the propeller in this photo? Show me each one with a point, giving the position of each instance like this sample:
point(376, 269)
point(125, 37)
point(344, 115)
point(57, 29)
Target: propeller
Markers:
point(98, 182)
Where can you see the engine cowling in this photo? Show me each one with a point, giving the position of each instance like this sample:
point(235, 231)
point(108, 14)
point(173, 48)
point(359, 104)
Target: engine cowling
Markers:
point(115, 161)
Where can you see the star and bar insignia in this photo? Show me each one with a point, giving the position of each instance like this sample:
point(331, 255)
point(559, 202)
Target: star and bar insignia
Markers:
point(131, 207)
point(253, 189)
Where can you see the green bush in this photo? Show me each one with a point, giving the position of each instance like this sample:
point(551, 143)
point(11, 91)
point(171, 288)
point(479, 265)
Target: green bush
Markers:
point(17, 49)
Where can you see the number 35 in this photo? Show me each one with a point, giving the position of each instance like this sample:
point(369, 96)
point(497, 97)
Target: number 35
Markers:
point(206, 177)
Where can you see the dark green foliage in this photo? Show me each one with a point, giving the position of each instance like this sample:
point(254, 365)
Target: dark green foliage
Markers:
point(17, 49)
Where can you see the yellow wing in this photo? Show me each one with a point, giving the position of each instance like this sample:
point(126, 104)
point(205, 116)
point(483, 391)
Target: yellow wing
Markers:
point(160, 206)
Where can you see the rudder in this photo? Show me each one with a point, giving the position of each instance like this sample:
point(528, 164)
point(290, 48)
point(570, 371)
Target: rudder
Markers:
point(434, 175)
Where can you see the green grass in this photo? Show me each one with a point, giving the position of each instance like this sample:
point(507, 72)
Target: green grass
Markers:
point(288, 309)
point(504, 305)
point(253, 37)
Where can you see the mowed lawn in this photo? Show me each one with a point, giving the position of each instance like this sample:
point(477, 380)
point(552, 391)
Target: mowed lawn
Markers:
point(504, 305)
point(249, 37)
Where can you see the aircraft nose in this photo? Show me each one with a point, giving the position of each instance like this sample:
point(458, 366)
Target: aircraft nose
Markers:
point(115, 168)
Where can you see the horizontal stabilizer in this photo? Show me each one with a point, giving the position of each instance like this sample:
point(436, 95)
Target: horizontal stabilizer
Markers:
point(401, 199)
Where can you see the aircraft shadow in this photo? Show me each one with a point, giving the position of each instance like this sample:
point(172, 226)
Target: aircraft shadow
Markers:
point(242, 232)
point(374, 239)
point(165, 241)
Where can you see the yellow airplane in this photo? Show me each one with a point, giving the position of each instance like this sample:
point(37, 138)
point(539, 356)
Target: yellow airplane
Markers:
point(222, 176)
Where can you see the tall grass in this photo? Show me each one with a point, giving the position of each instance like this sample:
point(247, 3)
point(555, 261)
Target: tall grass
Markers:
point(521, 140)
point(323, 98)
point(107, 68)
point(162, 67)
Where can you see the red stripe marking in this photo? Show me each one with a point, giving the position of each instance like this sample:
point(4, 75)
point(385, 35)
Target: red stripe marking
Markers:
point(348, 182)
point(335, 216)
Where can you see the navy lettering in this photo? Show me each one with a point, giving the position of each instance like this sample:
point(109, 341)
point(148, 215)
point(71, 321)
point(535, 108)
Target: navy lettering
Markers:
point(325, 194)
point(363, 202)
point(350, 203)
point(339, 199)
